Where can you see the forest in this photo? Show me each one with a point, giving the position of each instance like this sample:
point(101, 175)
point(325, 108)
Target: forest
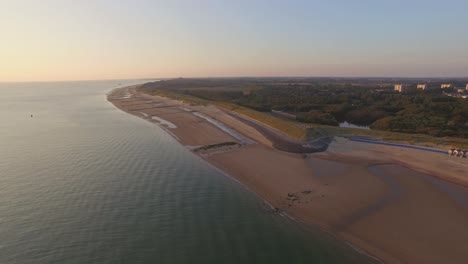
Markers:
point(328, 102)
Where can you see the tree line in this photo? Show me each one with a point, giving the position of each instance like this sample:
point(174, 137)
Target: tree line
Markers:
point(426, 112)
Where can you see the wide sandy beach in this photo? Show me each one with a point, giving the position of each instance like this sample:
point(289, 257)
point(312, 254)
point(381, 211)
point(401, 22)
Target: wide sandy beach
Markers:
point(399, 205)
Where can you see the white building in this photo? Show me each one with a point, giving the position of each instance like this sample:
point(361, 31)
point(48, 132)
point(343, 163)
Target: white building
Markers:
point(446, 85)
point(400, 88)
point(422, 86)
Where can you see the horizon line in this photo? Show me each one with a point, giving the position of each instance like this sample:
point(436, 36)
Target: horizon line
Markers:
point(238, 77)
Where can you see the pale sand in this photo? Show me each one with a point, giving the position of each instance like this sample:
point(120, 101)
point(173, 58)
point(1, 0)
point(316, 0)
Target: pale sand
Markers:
point(393, 213)
point(443, 166)
point(423, 225)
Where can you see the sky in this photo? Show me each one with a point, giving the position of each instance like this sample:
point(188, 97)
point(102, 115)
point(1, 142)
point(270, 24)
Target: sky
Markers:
point(52, 40)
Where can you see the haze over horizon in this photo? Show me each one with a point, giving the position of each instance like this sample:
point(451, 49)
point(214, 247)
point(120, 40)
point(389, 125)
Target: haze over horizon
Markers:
point(57, 40)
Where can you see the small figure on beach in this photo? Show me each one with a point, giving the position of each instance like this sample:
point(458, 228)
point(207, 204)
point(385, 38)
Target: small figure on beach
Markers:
point(31, 116)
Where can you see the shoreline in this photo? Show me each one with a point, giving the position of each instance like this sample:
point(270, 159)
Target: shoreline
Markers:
point(322, 214)
point(307, 226)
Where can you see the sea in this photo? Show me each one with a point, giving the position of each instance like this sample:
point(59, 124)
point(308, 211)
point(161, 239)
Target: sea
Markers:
point(82, 182)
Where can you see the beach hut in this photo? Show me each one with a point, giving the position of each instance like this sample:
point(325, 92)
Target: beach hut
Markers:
point(454, 152)
point(460, 153)
point(465, 153)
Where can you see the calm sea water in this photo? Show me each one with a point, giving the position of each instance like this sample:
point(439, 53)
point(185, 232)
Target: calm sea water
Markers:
point(82, 182)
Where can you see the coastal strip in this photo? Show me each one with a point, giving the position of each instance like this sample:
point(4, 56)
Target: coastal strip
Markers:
point(289, 180)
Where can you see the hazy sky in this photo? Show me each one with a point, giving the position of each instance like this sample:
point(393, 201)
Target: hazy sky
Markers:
point(73, 39)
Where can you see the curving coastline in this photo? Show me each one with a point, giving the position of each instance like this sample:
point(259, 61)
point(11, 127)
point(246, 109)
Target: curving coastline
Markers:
point(343, 204)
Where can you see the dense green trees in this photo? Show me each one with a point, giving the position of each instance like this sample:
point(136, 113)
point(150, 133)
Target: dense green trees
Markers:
point(427, 112)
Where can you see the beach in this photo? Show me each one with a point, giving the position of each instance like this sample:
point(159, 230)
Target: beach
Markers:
point(398, 205)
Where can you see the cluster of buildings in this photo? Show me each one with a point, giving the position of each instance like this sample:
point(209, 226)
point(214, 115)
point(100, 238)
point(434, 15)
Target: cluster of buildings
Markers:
point(461, 153)
point(403, 88)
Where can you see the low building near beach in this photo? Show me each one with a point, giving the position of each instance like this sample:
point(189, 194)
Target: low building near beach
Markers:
point(446, 85)
point(422, 86)
point(401, 88)
point(461, 153)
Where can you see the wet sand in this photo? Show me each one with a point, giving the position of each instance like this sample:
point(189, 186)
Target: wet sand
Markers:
point(399, 205)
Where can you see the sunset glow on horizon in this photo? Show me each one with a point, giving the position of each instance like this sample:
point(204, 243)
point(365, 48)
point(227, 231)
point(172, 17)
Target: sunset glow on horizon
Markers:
point(87, 40)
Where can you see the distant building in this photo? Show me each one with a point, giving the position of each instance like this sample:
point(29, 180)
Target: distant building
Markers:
point(467, 87)
point(446, 85)
point(401, 88)
point(460, 90)
point(422, 86)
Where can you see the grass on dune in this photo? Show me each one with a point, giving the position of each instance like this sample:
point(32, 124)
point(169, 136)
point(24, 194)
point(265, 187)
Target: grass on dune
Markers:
point(285, 126)
point(301, 131)
point(419, 139)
